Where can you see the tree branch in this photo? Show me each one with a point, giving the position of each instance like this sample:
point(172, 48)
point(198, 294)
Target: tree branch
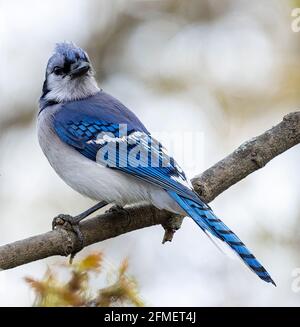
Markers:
point(250, 156)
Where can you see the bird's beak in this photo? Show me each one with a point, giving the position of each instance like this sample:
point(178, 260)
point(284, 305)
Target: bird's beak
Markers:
point(79, 69)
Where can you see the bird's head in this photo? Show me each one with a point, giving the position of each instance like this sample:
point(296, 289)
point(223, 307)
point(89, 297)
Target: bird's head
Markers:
point(69, 75)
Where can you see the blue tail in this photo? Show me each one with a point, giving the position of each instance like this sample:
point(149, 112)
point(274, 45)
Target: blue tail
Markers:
point(208, 222)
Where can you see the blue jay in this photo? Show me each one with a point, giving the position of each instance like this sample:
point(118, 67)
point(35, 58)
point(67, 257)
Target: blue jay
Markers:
point(79, 132)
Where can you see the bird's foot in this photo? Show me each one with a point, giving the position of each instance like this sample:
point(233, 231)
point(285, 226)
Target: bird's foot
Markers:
point(122, 213)
point(116, 209)
point(70, 223)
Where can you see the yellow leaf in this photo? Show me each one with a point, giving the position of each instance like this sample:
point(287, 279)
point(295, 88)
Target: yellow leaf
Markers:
point(91, 263)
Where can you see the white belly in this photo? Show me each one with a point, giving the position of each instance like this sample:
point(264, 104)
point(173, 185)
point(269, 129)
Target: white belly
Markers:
point(92, 179)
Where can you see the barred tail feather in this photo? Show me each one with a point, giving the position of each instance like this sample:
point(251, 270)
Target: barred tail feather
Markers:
point(208, 222)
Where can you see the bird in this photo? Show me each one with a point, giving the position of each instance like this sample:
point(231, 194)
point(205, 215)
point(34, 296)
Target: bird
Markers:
point(102, 150)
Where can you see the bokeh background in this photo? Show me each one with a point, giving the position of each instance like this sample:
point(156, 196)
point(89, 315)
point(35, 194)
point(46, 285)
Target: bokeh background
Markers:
point(224, 71)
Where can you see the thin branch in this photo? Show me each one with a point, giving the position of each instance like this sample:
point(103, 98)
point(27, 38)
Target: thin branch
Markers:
point(250, 156)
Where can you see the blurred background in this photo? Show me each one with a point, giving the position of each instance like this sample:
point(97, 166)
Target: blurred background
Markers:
point(216, 72)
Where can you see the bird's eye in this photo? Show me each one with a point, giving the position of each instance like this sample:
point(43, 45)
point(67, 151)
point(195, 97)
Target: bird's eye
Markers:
point(58, 70)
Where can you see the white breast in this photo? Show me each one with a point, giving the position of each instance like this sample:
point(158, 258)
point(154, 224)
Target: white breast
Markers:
point(92, 179)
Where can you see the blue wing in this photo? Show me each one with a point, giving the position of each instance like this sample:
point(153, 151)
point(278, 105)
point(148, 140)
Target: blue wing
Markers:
point(84, 125)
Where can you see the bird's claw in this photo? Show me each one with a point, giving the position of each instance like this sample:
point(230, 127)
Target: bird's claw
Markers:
point(71, 224)
point(116, 208)
point(122, 213)
point(59, 220)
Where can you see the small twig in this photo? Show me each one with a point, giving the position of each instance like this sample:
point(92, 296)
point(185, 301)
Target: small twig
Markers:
point(172, 224)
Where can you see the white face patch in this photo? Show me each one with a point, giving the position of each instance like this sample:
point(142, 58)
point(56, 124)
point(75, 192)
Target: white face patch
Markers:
point(64, 88)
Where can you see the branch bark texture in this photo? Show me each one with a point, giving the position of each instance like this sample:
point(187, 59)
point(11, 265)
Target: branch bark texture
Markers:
point(247, 158)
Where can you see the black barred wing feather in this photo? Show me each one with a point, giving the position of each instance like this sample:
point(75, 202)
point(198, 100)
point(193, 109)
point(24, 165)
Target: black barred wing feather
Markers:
point(134, 152)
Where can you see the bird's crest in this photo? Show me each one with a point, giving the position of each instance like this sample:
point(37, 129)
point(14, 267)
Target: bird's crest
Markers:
point(70, 51)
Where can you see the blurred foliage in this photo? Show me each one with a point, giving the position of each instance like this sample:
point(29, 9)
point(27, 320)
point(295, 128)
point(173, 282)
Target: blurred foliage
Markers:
point(295, 3)
point(76, 291)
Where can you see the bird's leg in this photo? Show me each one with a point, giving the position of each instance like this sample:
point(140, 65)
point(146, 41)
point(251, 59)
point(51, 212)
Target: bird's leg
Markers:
point(89, 211)
point(73, 222)
point(76, 219)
